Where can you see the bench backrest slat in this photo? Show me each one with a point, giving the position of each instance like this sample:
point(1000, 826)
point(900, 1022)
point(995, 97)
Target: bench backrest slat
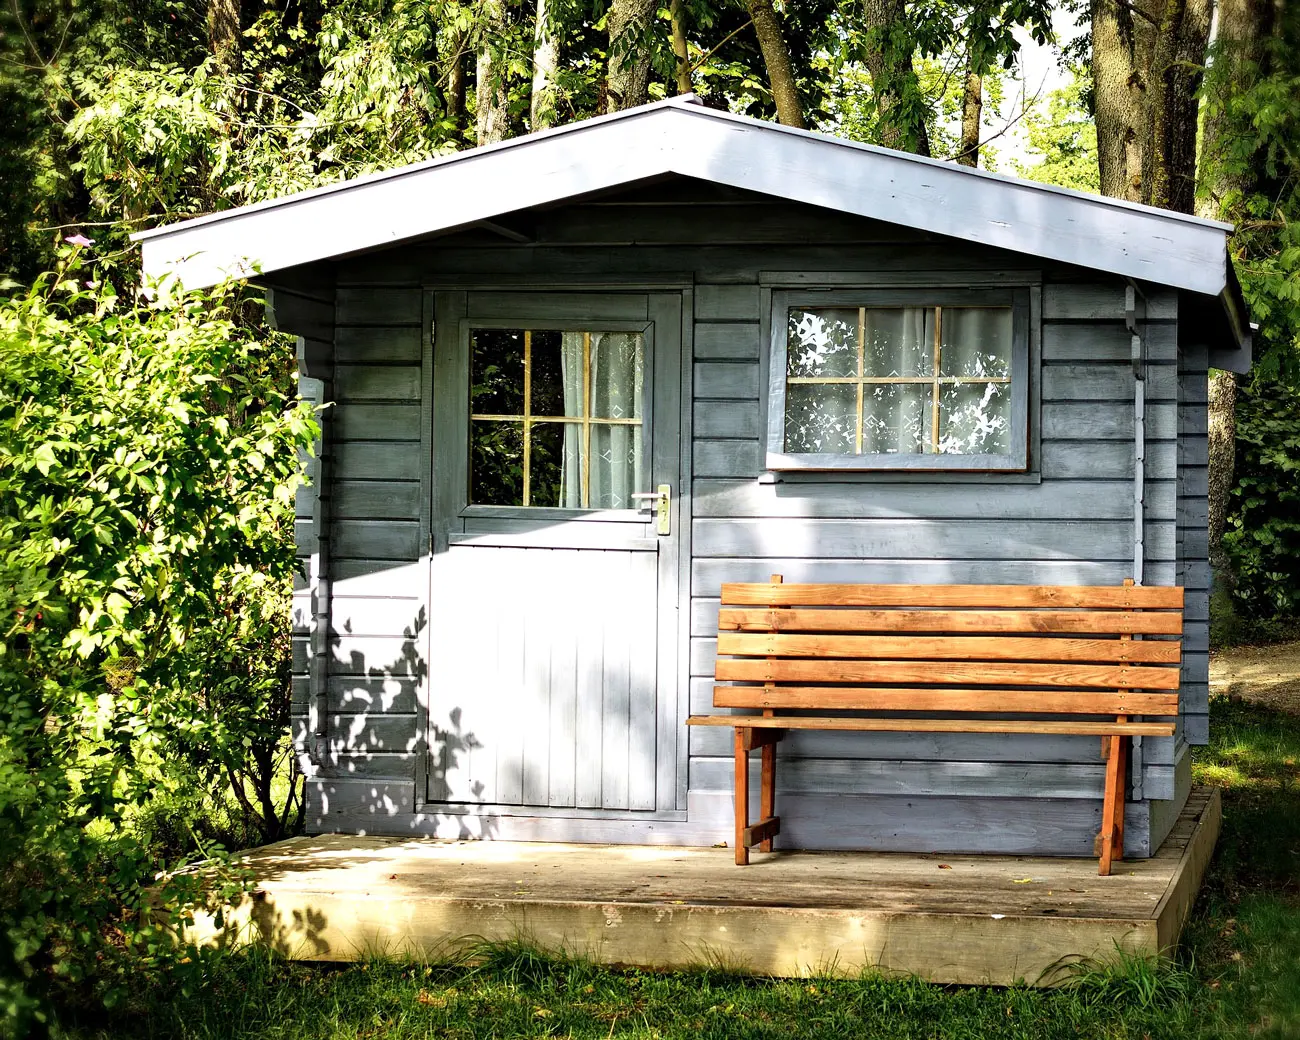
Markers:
point(1132, 597)
point(950, 648)
point(930, 673)
point(843, 698)
point(848, 619)
point(960, 648)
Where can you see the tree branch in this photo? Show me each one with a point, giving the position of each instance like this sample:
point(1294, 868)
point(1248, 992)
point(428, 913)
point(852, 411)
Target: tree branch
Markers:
point(726, 39)
point(1137, 11)
point(1024, 111)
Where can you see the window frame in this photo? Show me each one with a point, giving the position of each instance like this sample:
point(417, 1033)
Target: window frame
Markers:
point(1016, 298)
point(527, 319)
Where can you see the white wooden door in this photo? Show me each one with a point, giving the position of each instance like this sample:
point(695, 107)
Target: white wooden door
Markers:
point(553, 643)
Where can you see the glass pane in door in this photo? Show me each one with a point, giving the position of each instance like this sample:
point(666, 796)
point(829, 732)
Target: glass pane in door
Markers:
point(556, 417)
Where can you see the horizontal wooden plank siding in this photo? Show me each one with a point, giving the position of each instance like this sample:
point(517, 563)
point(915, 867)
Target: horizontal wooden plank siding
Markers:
point(739, 498)
point(1068, 520)
point(929, 539)
point(953, 779)
point(374, 658)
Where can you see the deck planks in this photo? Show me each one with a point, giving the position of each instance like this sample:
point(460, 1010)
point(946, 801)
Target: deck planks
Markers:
point(951, 919)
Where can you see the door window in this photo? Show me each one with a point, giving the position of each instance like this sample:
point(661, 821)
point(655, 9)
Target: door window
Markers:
point(556, 418)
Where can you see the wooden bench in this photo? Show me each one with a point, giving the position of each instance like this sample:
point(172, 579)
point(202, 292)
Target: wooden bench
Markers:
point(975, 658)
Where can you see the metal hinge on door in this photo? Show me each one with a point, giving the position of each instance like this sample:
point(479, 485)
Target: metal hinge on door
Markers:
point(661, 500)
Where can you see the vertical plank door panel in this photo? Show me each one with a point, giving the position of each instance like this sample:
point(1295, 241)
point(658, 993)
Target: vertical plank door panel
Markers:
point(544, 678)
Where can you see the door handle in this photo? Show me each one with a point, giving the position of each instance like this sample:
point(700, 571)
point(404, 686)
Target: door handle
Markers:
point(661, 500)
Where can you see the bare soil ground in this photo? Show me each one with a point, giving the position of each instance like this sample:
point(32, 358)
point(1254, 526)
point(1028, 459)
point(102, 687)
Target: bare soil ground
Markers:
point(1267, 675)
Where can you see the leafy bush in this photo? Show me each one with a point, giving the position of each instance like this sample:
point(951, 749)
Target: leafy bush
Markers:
point(148, 464)
point(1263, 536)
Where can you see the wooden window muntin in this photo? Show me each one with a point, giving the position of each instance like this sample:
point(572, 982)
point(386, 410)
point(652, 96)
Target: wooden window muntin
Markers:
point(526, 420)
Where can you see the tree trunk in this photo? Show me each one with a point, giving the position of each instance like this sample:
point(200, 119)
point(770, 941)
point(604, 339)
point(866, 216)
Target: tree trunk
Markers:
point(223, 33)
point(491, 99)
point(627, 82)
point(681, 52)
point(1169, 142)
point(546, 63)
point(893, 80)
point(972, 108)
point(776, 56)
point(1122, 42)
point(456, 85)
point(1147, 58)
point(1244, 27)
point(1222, 448)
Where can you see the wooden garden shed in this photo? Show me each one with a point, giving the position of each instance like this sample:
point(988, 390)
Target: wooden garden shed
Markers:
point(816, 358)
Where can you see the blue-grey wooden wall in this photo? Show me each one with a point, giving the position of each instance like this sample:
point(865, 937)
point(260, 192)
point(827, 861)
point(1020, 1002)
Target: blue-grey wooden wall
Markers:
point(1068, 522)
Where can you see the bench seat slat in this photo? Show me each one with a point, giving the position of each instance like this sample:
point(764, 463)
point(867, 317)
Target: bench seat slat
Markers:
point(990, 673)
point(1100, 729)
point(1135, 597)
point(951, 648)
point(850, 698)
point(848, 619)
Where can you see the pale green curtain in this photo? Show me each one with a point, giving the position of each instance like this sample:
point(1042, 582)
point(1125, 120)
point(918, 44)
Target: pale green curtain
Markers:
point(897, 342)
point(617, 375)
point(571, 371)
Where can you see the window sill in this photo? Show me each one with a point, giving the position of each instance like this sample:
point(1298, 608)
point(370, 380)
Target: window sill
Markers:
point(556, 514)
point(928, 465)
point(901, 475)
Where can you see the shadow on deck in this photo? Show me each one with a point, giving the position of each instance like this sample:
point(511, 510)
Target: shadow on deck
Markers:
point(951, 919)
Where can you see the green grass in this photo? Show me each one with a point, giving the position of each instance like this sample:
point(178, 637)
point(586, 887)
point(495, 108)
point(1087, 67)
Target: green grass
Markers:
point(1238, 976)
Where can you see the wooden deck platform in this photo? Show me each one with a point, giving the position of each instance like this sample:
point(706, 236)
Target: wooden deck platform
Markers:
point(954, 919)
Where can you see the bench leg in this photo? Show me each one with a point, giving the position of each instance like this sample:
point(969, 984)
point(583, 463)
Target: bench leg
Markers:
point(1122, 796)
point(767, 792)
point(742, 796)
point(1112, 809)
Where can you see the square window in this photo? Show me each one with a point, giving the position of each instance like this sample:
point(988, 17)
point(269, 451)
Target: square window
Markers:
point(920, 380)
point(555, 418)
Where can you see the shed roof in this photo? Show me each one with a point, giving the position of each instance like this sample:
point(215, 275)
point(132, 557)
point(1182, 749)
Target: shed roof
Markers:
point(680, 136)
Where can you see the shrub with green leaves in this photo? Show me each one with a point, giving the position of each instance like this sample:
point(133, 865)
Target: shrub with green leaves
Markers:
point(148, 464)
point(1263, 535)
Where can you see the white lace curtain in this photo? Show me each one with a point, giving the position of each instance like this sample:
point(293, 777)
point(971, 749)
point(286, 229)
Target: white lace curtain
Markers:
point(898, 417)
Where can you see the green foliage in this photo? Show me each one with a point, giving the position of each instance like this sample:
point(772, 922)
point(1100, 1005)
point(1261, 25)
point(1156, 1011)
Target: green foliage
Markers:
point(1256, 172)
point(148, 461)
point(1064, 138)
point(852, 112)
point(1263, 535)
point(379, 104)
point(1258, 159)
point(943, 39)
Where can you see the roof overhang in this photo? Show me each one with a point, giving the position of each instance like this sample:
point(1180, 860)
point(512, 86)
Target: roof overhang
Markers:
point(681, 137)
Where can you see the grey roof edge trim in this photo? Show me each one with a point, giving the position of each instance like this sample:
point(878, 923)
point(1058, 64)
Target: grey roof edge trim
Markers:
point(1150, 244)
point(1019, 216)
point(388, 211)
point(697, 109)
point(692, 105)
point(1237, 313)
point(679, 102)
